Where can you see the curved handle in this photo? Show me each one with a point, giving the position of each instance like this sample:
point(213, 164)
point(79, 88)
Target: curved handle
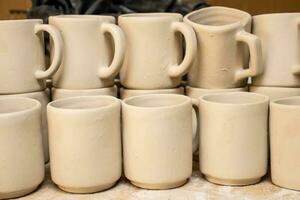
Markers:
point(119, 42)
point(57, 50)
point(190, 49)
point(254, 45)
point(196, 109)
point(296, 67)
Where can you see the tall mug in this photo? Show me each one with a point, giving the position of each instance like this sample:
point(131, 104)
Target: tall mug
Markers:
point(153, 57)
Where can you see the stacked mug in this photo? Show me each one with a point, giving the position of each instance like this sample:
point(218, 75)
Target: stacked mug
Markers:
point(279, 34)
point(93, 52)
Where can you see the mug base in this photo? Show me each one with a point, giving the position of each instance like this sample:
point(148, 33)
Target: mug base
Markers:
point(232, 182)
point(162, 186)
point(85, 190)
point(16, 194)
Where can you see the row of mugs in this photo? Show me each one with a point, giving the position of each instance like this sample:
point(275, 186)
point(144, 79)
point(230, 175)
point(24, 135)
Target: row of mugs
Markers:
point(157, 141)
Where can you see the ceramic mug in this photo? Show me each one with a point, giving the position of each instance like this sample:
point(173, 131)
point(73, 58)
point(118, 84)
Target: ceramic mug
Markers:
point(279, 34)
point(275, 92)
point(221, 61)
point(58, 93)
point(22, 58)
point(43, 98)
point(85, 143)
point(154, 50)
point(125, 93)
point(233, 146)
point(21, 148)
point(157, 140)
point(89, 61)
point(284, 142)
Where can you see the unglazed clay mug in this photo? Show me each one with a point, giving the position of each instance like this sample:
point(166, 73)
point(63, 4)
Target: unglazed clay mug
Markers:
point(275, 92)
point(157, 140)
point(58, 93)
point(279, 34)
point(222, 58)
point(89, 61)
point(284, 142)
point(153, 57)
point(22, 59)
point(85, 143)
point(125, 93)
point(233, 147)
point(43, 98)
point(21, 148)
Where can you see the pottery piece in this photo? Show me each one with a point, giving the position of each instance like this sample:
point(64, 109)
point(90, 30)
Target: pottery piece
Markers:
point(275, 92)
point(279, 34)
point(43, 98)
point(284, 142)
point(22, 58)
point(153, 57)
point(233, 146)
point(58, 93)
point(157, 140)
point(125, 93)
point(21, 148)
point(222, 57)
point(93, 53)
point(85, 143)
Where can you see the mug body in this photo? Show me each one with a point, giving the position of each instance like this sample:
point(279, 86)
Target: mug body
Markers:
point(58, 93)
point(284, 142)
point(279, 34)
point(219, 55)
point(233, 139)
point(275, 92)
point(22, 160)
point(86, 50)
point(152, 47)
point(85, 143)
point(157, 131)
point(21, 55)
point(198, 92)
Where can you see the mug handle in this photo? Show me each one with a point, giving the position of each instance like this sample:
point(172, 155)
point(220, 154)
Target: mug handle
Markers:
point(58, 50)
point(254, 45)
point(296, 67)
point(119, 42)
point(190, 52)
point(196, 108)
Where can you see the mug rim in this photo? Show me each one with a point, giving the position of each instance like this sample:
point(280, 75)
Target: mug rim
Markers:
point(276, 14)
point(286, 102)
point(185, 100)
point(22, 21)
point(81, 17)
point(62, 104)
point(32, 104)
point(263, 99)
point(151, 15)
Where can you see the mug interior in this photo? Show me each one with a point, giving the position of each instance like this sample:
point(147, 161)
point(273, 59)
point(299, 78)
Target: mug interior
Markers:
point(87, 102)
point(156, 100)
point(293, 101)
point(235, 98)
point(16, 104)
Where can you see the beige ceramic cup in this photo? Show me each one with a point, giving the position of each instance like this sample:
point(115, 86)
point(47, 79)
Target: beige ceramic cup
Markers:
point(85, 143)
point(58, 93)
point(157, 140)
point(22, 58)
point(275, 92)
point(43, 98)
point(153, 57)
point(279, 34)
point(22, 160)
point(284, 142)
point(93, 53)
point(125, 93)
point(222, 35)
point(233, 146)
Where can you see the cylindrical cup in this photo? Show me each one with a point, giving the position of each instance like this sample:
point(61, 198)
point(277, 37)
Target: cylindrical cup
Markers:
point(275, 92)
point(284, 142)
point(233, 137)
point(154, 53)
point(125, 93)
point(21, 148)
point(85, 143)
point(91, 58)
point(157, 140)
point(22, 57)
